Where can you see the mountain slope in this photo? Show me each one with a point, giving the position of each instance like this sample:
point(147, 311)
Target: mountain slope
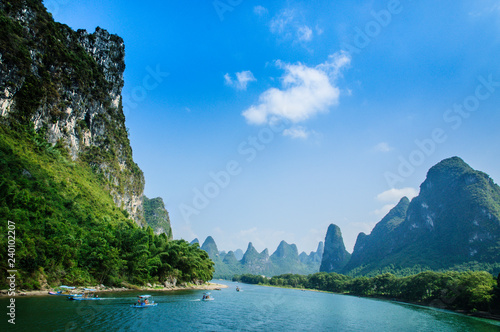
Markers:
point(335, 257)
point(67, 178)
point(454, 222)
point(156, 216)
point(67, 86)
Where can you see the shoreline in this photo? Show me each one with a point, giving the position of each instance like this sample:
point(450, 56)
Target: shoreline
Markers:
point(477, 314)
point(206, 286)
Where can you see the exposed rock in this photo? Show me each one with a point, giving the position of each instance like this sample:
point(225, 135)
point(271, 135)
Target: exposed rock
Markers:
point(67, 85)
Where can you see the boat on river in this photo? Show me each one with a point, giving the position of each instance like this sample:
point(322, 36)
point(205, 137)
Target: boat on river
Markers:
point(64, 291)
point(88, 295)
point(144, 301)
point(207, 297)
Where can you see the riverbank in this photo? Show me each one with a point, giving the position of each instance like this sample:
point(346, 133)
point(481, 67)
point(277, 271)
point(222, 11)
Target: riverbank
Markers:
point(105, 289)
point(442, 306)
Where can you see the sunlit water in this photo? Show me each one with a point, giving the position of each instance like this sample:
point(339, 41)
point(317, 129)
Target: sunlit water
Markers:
point(255, 308)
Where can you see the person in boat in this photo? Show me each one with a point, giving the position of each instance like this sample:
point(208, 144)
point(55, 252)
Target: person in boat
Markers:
point(146, 301)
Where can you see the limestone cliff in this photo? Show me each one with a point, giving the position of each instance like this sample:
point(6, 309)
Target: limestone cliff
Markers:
point(67, 85)
point(156, 216)
point(335, 257)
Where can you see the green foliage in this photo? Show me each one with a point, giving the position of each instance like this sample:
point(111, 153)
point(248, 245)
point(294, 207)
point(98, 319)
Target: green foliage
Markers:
point(454, 223)
point(453, 290)
point(68, 229)
point(47, 65)
point(156, 215)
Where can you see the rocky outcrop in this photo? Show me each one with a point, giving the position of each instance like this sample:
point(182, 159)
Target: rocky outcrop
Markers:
point(66, 85)
point(156, 216)
point(335, 257)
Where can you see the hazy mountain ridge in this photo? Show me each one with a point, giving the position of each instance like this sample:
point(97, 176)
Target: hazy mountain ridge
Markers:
point(284, 260)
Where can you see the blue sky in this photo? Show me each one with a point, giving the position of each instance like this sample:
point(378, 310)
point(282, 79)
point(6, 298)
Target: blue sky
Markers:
point(266, 122)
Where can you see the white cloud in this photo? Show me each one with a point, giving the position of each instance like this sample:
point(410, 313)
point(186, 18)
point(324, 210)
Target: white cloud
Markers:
point(305, 92)
point(296, 132)
point(382, 147)
point(391, 197)
point(304, 33)
point(280, 22)
point(290, 26)
point(394, 195)
point(259, 10)
point(383, 211)
point(241, 81)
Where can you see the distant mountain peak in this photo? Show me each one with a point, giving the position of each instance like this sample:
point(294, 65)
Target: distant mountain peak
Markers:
point(335, 256)
point(210, 247)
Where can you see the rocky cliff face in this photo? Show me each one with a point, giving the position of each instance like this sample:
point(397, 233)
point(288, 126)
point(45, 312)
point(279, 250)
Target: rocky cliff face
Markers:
point(455, 220)
point(335, 257)
point(67, 85)
point(156, 216)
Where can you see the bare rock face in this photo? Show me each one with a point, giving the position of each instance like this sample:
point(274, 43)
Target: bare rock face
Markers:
point(67, 85)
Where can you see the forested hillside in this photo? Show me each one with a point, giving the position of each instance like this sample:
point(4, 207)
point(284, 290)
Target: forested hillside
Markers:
point(67, 178)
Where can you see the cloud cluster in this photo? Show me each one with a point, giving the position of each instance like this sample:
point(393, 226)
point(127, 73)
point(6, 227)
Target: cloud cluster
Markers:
point(241, 81)
point(382, 147)
point(288, 25)
point(305, 92)
point(296, 132)
point(259, 10)
point(392, 197)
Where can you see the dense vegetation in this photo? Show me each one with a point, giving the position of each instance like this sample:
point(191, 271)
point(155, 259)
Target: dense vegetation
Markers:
point(69, 230)
point(471, 291)
point(156, 216)
point(48, 72)
point(453, 224)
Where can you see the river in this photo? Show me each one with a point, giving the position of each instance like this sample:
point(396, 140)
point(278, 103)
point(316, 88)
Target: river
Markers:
point(255, 308)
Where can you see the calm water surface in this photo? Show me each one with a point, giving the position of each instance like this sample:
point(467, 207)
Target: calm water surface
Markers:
point(255, 308)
